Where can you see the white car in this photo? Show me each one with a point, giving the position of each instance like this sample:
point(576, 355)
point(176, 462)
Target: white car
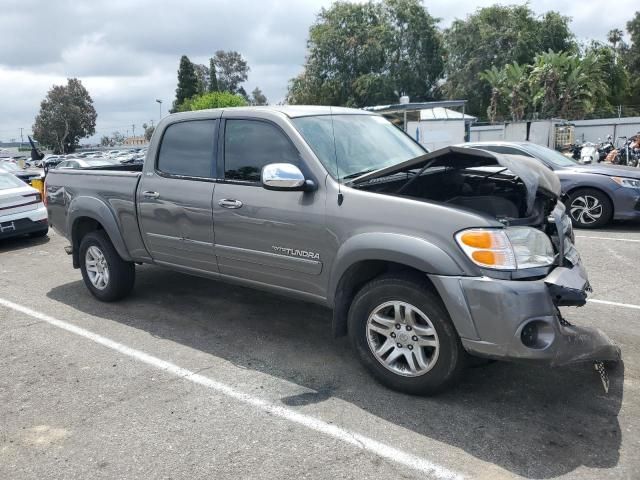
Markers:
point(84, 163)
point(21, 209)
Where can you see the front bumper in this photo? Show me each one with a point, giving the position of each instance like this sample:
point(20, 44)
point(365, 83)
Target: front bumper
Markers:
point(520, 320)
point(626, 203)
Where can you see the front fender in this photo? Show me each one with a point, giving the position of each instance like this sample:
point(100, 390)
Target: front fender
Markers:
point(94, 208)
point(392, 247)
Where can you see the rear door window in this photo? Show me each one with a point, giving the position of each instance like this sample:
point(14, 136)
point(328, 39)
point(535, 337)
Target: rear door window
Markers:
point(249, 145)
point(187, 149)
point(504, 149)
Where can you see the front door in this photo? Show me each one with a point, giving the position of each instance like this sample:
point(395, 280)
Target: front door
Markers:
point(274, 237)
point(174, 200)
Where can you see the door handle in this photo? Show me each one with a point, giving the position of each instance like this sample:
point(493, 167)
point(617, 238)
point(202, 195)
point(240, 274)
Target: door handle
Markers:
point(149, 194)
point(230, 203)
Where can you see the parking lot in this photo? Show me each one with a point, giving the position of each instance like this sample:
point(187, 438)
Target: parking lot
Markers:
point(191, 378)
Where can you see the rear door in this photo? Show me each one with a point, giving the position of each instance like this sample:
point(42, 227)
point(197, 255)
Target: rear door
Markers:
point(273, 237)
point(174, 198)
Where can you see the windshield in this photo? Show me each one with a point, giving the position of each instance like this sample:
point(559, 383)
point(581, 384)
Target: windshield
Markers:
point(363, 143)
point(553, 157)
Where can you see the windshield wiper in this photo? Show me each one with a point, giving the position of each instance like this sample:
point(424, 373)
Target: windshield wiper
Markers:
point(359, 174)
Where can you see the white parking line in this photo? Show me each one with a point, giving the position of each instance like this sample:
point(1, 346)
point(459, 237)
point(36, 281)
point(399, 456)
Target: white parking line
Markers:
point(610, 238)
point(615, 304)
point(360, 441)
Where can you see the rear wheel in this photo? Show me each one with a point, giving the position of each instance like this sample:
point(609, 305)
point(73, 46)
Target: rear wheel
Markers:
point(404, 336)
point(107, 276)
point(589, 208)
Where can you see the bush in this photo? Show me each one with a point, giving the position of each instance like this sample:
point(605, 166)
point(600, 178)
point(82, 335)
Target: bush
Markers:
point(212, 100)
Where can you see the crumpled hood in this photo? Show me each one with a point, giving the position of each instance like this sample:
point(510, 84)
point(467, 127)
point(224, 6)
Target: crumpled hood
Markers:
point(535, 176)
point(607, 169)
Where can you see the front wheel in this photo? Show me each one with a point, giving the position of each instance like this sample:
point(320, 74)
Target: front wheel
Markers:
point(404, 336)
point(107, 276)
point(589, 208)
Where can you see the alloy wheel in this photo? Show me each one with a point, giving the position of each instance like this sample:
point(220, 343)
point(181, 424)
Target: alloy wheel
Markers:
point(586, 209)
point(97, 267)
point(402, 338)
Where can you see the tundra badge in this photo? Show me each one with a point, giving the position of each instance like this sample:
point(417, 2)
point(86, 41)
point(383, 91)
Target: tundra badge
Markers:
point(294, 252)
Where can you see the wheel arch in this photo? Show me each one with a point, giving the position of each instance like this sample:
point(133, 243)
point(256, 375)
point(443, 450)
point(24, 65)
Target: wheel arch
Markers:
point(87, 214)
point(366, 256)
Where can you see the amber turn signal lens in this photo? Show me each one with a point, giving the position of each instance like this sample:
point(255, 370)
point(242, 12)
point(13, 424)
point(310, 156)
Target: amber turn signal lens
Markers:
point(477, 239)
point(485, 257)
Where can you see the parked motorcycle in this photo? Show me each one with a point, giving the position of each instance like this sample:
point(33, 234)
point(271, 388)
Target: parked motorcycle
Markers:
point(605, 148)
point(574, 150)
point(628, 153)
point(589, 153)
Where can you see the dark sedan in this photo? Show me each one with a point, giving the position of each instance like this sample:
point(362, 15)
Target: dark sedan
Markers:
point(596, 194)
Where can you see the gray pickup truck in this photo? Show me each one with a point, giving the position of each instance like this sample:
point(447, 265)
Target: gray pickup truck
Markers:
point(425, 258)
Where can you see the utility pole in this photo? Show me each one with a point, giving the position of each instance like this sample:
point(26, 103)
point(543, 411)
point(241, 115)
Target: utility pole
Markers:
point(151, 122)
point(160, 108)
point(133, 129)
point(21, 137)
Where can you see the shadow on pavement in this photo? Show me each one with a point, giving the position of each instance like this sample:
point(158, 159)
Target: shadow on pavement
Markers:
point(19, 243)
point(532, 421)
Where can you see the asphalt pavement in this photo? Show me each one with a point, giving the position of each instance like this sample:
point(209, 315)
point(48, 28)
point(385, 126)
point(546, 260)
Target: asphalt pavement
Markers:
point(191, 378)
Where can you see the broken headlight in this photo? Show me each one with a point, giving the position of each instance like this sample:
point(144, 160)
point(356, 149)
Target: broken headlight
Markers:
point(509, 248)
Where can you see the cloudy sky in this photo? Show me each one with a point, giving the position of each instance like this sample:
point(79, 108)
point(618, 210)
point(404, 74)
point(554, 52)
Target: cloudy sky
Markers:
point(126, 52)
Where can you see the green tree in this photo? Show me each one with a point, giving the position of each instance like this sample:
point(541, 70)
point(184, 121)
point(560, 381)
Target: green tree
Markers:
point(615, 73)
point(117, 138)
point(633, 52)
point(258, 98)
point(494, 37)
point(567, 85)
point(187, 82)
point(231, 70)
point(148, 131)
point(212, 100)
point(66, 115)
point(509, 91)
point(365, 53)
point(202, 77)
point(213, 79)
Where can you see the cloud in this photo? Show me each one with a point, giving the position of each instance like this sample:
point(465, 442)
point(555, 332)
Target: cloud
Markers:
point(126, 52)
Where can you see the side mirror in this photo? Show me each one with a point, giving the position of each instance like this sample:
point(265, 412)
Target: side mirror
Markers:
point(285, 176)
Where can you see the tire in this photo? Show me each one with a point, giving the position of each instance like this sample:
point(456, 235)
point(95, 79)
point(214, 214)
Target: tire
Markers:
point(589, 208)
point(120, 275)
point(409, 293)
point(39, 233)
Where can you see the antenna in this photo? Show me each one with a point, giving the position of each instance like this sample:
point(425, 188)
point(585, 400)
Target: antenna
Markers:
point(335, 154)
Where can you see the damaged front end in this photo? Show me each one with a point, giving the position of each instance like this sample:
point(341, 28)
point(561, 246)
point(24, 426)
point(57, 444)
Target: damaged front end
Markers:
point(509, 311)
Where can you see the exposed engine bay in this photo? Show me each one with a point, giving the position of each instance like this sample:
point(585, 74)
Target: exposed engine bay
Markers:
point(515, 190)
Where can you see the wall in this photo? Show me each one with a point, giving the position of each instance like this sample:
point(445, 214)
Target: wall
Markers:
point(592, 130)
point(435, 134)
point(484, 133)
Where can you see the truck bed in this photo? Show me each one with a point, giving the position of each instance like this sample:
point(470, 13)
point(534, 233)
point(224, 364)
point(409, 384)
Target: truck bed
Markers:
point(68, 192)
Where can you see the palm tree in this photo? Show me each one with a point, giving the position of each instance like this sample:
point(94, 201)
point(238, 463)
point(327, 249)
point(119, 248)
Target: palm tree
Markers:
point(516, 81)
point(495, 78)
